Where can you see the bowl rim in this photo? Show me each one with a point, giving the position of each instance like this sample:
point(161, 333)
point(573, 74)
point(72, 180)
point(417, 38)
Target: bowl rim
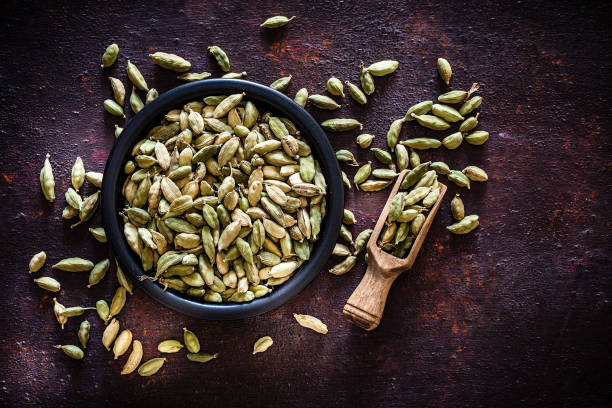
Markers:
point(279, 103)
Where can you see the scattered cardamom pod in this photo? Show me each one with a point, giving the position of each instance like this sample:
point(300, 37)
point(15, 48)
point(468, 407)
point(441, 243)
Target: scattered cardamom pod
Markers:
point(448, 113)
point(420, 108)
point(193, 76)
point(362, 174)
point(262, 344)
point(440, 167)
point(341, 125)
point(110, 333)
point(422, 143)
point(37, 261)
point(445, 71)
point(323, 102)
point(98, 272)
point(367, 82)
point(475, 173)
point(394, 132)
point(346, 156)
point(133, 359)
point(220, 56)
point(281, 84)
point(47, 182)
point(459, 178)
point(110, 55)
point(383, 68)
point(169, 346)
point(74, 265)
point(191, 341)
point(457, 208)
point(382, 156)
point(83, 333)
point(334, 86)
point(151, 366)
point(477, 137)
point(364, 140)
point(453, 141)
point(470, 105)
point(135, 102)
point(71, 351)
point(343, 267)
point(48, 283)
point(118, 90)
point(301, 97)
point(356, 93)
point(466, 225)
point(201, 357)
point(276, 21)
point(311, 322)
point(152, 94)
point(136, 77)
point(170, 61)
point(113, 108)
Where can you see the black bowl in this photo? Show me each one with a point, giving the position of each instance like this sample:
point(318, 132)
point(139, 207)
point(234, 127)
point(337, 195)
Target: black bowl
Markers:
point(137, 128)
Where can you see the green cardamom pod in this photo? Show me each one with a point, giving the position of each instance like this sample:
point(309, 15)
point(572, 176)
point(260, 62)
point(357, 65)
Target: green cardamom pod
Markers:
point(262, 344)
point(356, 93)
point(422, 143)
point(469, 124)
point(276, 21)
point(367, 82)
point(48, 283)
point(364, 140)
point(202, 357)
point(420, 108)
point(220, 56)
point(396, 207)
point(110, 55)
point(446, 112)
point(334, 86)
point(98, 272)
point(402, 157)
point(477, 137)
point(170, 61)
point(118, 90)
point(118, 131)
point(383, 68)
point(281, 84)
point(191, 341)
point(83, 333)
point(431, 122)
point(344, 155)
point(113, 108)
point(394, 132)
point(71, 351)
point(459, 179)
point(152, 94)
point(136, 77)
point(375, 185)
point(381, 155)
point(345, 234)
point(362, 240)
point(37, 261)
point(234, 75)
point(348, 217)
point(78, 174)
point(414, 175)
point(475, 173)
point(440, 167)
point(73, 199)
point(466, 225)
point(457, 208)
point(151, 367)
point(445, 71)
point(118, 301)
point(99, 234)
point(345, 266)
point(341, 125)
point(135, 101)
point(362, 174)
point(453, 141)
point(74, 265)
point(323, 102)
point(301, 97)
point(384, 173)
point(194, 76)
point(452, 96)
point(470, 105)
point(415, 159)
point(345, 180)
point(103, 310)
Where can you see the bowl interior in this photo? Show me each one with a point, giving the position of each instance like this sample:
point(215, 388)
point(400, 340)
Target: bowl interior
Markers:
point(137, 128)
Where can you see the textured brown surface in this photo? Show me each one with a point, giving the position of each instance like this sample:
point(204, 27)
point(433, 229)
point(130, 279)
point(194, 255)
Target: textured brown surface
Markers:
point(518, 311)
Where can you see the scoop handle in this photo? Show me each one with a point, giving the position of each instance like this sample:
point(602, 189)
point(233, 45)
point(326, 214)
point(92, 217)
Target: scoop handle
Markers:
point(366, 305)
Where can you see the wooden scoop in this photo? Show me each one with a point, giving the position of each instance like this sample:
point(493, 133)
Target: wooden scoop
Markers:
point(367, 303)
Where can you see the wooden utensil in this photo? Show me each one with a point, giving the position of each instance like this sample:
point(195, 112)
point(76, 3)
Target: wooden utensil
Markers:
point(367, 303)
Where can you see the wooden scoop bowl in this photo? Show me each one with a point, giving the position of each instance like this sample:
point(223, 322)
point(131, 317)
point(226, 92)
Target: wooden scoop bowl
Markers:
point(367, 303)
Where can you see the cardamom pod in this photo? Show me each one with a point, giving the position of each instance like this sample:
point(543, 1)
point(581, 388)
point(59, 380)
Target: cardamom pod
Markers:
point(356, 93)
point(281, 84)
point(470, 105)
point(151, 366)
point(475, 173)
point(394, 132)
point(361, 241)
point(440, 167)
point(383, 68)
point(311, 322)
point(469, 124)
point(422, 143)
point(402, 158)
point(94, 178)
point(457, 208)
point(71, 351)
point(234, 75)
point(98, 272)
point(362, 174)
point(170, 61)
point(334, 86)
point(466, 225)
point(191, 341)
point(194, 76)
point(122, 344)
point(262, 344)
point(152, 94)
point(74, 265)
point(345, 180)
point(382, 156)
point(110, 55)
point(136, 77)
point(384, 173)
point(118, 90)
point(47, 182)
point(345, 156)
point(375, 185)
point(364, 140)
point(83, 333)
point(453, 141)
point(220, 56)
point(459, 178)
point(133, 359)
point(341, 250)
point(446, 112)
point(103, 310)
point(202, 357)
point(341, 125)
point(37, 261)
point(110, 333)
point(415, 159)
point(367, 82)
point(135, 102)
point(118, 301)
point(301, 97)
point(445, 71)
point(343, 267)
point(48, 283)
point(431, 122)
point(455, 96)
point(420, 108)
point(323, 102)
point(276, 21)
point(113, 108)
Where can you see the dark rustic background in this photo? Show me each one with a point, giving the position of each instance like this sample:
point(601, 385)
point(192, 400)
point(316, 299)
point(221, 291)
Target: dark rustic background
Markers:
point(516, 313)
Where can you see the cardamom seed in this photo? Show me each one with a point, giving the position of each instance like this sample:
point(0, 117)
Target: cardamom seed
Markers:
point(364, 140)
point(446, 112)
point(440, 167)
point(194, 76)
point(170, 61)
point(394, 132)
point(276, 21)
point(431, 122)
point(459, 179)
point(98, 272)
point(220, 56)
point(113, 108)
point(477, 137)
point(382, 156)
point(202, 357)
point(311, 322)
point(367, 82)
point(453, 141)
point(110, 55)
point(470, 105)
point(323, 102)
point(465, 226)
point(341, 125)
point(345, 266)
point(445, 71)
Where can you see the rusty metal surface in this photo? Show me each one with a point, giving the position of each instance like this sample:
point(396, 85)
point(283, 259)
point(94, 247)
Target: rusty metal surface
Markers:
point(516, 312)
